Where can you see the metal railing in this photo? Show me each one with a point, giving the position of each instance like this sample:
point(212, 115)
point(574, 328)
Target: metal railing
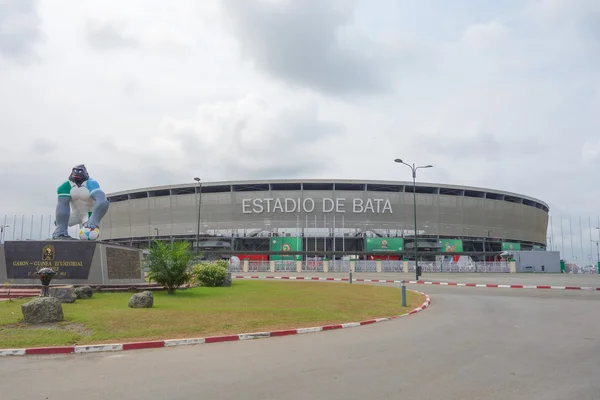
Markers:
point(339, 266)
point(285, 266)
point(585, 269)
point(259, 266)
point(451, 267)
point(365, 266)
point(313, 266)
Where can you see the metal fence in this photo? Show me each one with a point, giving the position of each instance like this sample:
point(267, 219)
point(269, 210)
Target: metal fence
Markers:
point(450, 267)
point(339, 266)
point(259, 266)
point(586, 269)
point(365, 266)
point(392, 266)
point(285, 266)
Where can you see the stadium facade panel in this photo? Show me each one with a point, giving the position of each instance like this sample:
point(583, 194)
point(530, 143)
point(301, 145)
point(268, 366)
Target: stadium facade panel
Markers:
point(325, 208)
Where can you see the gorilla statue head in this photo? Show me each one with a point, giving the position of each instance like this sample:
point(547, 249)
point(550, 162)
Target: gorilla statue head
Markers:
point(79, 174)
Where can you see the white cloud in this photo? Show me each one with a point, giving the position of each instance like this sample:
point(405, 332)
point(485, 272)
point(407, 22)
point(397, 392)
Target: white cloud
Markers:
point(503, 95)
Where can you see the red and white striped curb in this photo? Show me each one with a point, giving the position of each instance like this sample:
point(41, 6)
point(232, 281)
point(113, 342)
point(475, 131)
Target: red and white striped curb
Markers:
point(96, 348)
point(479, 285)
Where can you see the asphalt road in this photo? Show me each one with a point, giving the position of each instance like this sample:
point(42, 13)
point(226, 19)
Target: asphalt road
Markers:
point(471, 344)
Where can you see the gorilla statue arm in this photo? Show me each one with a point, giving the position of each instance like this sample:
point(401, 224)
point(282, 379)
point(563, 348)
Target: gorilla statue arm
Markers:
point(99, 210)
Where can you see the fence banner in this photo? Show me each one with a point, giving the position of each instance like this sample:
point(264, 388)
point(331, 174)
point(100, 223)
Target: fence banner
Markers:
point(511, 246)
point(286, 244)
point(378, 244)
point(451, 245)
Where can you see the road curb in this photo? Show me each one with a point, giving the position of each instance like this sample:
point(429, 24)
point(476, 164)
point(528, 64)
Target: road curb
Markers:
point(479, 285)
point(96, 348)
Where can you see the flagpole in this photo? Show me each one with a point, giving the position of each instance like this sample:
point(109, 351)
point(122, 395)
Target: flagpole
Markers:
point(571, 234)
point(590, 229)
point(562, 238)
point(581, 240)
point(551, 235)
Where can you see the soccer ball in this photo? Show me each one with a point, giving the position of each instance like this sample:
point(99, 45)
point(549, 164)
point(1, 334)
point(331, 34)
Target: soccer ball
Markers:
point(89, 233)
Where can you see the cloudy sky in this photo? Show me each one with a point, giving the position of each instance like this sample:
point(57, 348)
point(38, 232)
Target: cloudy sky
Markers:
point(502, 94)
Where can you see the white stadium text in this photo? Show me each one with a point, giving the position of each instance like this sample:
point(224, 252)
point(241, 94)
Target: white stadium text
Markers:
point(308, 205)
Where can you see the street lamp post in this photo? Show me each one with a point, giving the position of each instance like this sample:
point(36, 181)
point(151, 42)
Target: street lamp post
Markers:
point(414, 169)
point(597, 249)
point(199, 209)
point(597, 246)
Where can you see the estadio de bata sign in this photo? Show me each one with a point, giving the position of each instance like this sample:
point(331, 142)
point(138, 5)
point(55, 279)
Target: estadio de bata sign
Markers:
point(309, 205)
point(69, 259)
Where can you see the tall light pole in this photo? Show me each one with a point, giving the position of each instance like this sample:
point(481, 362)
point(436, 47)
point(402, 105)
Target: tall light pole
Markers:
point(597, 249)
point(414, 169)
point(199, 209)
point(597, 245)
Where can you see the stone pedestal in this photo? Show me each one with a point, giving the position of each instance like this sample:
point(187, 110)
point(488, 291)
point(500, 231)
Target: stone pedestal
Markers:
point(75, 262)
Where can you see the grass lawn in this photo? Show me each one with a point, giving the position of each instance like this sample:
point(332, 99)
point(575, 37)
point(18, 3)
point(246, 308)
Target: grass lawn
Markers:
point(246, 306)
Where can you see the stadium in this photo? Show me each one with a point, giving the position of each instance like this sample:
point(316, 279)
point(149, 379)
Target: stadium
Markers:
point(328, 219)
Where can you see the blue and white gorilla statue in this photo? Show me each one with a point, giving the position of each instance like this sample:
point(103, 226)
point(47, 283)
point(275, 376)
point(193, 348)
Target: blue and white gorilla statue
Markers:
point(80, 202)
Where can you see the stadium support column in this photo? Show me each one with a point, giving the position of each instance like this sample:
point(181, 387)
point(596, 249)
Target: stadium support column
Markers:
point(414, 169)
point(199, 209)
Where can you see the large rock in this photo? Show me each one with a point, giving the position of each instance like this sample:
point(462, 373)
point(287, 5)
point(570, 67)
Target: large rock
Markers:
point(227, 280)
point(66, 294)
point(42, 310)
point(84, 292)
point(144, 299)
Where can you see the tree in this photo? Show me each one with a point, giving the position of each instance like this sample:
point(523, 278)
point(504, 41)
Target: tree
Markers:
point(169, 264)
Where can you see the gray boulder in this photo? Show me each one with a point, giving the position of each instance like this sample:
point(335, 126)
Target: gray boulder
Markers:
point(144, 299)
point(66, 294)
point(42, 310)
point(227, 280)
point(84, 292)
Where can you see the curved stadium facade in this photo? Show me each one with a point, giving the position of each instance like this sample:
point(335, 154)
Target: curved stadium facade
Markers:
point(328, 218)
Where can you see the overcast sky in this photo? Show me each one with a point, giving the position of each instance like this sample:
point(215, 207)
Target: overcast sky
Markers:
point(502, 94)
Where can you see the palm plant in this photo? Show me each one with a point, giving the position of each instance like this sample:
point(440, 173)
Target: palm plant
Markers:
point(168, 264)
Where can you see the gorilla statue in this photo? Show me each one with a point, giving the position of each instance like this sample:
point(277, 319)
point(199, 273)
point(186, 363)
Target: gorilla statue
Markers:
point(80, 202)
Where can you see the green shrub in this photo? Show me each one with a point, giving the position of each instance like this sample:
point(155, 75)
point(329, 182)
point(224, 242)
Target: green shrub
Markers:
point(210, 274)
point(168, 264)
point(222, 263)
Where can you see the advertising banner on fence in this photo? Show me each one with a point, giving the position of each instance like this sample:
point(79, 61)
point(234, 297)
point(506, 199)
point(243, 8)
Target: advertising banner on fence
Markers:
point(286, 244)
point(69, 259)
point(451, 245)
point(384, 245)
point(510, 246)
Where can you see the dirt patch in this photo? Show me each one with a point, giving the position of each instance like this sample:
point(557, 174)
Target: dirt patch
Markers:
point(79, 329)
